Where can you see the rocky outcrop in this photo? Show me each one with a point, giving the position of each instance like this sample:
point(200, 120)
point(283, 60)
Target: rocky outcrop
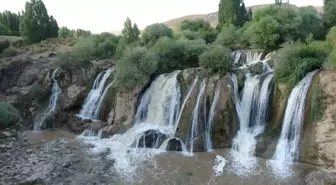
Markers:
point(75, 95)
point(152, 139)
point(318, 145)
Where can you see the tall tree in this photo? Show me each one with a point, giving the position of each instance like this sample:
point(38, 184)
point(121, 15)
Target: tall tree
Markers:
point(11, 21)
point(329, 13)
point(228, 12)
point(279, 2)
point(36, 25)
point(130, 33)
point(243, 15)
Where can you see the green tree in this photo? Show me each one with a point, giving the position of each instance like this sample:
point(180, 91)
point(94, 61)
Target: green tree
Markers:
point(11, 21)
point(135, 67)
point(155, 31)
point(217, 59)
point(194, 28)
point(4, 30)
point(82, 33)
point(36, 24)
point(329, 13)
point(228, 36)
point(312, 23)
point(228, 12)
point(278, 2)
point(130, 32)
point(64, 32)
point(243, 15)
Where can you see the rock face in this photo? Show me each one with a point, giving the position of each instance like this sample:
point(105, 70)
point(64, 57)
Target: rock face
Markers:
point(75, 95)
point(318, 146)
point(28, 77)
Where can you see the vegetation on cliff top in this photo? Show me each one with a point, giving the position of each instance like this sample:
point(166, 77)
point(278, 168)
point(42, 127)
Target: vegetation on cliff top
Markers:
point(8, 115)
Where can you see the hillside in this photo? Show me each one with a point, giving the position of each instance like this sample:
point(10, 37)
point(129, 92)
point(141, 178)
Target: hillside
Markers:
point(212, 18)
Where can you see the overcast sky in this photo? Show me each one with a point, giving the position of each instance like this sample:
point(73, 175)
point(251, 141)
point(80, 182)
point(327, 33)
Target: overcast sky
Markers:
point(109, 15)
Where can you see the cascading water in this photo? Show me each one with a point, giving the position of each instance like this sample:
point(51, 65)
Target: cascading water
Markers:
point(55, 94)
point(155, 119)
point(287, 149)
point(91, 106)
point(194, 130)
point(208, 128)
point(97, 110)
point(252, 113)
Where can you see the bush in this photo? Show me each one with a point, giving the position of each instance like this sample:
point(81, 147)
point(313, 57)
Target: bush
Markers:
point(86, 49)
point(135, 67)
point(312, 23)
point(9, 52)
point(331, 37)
point(190, 35)
point(4, 30)
point(3, 45)
point(217, 59)
point(331, 63)
point(38, 93)
point(295, 60)
point(8, 115)
point(228, 36)
point(196, 29)
point(192, 49)
point(170, 53)
point(155, 31)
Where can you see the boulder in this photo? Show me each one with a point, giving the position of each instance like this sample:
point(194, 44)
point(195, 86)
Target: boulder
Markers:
point(152, 139)
point(75, 96)
point(174, 145)
point(257, 68)
point(28, 77)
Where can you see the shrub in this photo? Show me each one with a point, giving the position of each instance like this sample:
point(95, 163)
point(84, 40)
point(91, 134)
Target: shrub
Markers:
point(331, 37)
point(196, 29)
point(38, 93)
point(170, 54)
point(8, 115)
point(295, 60)
point(331, 63)
point(135, 67)
point(217, 59)
point(312, 23)
point(3, 45)
point(86, 49)
point(228, 36)
point(9, 52)
point(190, 35)
point(155, 31)
point(192, 49)
point(4, 30)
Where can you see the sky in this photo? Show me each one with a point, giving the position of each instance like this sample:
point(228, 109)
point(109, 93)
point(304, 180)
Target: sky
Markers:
point(109, 15)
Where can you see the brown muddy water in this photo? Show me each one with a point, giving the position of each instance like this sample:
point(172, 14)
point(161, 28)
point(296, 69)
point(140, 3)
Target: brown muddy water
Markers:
point(174, 168)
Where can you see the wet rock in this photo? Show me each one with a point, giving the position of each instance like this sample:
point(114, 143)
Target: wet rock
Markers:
point(152, 139)
point(257, 68)
point(52, 54)
point(28, 77)
point(174, 145)
point(75, 96)
point(7, 134)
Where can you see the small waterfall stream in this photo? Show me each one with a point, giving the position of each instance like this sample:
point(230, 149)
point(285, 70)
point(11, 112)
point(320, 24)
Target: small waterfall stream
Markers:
point(194, 130)
point(208, 128)
point(92, 103)
point(287, 149)
point(55, 94)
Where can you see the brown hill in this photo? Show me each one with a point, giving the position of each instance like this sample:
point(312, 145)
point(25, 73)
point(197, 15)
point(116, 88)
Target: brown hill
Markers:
point(212, 18)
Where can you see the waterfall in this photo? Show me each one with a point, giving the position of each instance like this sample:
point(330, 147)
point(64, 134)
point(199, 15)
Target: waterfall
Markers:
point(208, 128)
point(287, 149)
point(161, 102)
point(194, 130)
point(55, 94)
point(91, 106)
point(185, 102)
point(252, 113)
point(97, 110)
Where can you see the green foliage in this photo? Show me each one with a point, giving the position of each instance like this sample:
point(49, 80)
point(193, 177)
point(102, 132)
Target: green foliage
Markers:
point(4, 30)
point(36, 25)
point(135, 67)
point(312, 23)
point(317, 106)
point(170, 54)
point(11, 21)
point(81, 33)
point(86, 49)
point(233, 12)
point(192, 49)
point(194, 29)
point(64, 32)
point(264, 33)
point(9, 52)
point(217, 59)
point(331, 63)
point(3, 45)
point(295, 60)
point(278, 2)
point(155, 31)
point(38, 93)
point(331, 37)
point(190, 35)
point(329, 13)
point(130, 33)
point(228, 36)
point(8, 115)
point(273, 26)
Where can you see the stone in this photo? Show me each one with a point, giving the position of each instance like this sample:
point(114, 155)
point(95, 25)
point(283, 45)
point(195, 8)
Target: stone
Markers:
point(152, 139)
point(28, 77)
point(7, 134)
point(75, 96)
point(29, 150)
point(174, 145)
point(257, 68)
